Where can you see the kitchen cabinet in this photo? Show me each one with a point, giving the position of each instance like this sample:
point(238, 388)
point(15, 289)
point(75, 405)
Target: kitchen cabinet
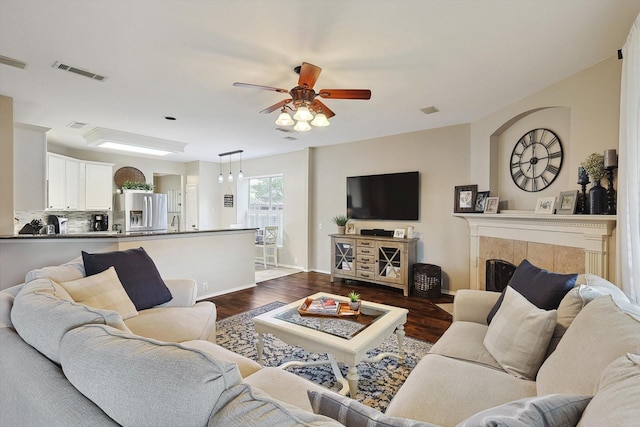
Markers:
point(74, 184)
point(382, 260)
point(98, 186)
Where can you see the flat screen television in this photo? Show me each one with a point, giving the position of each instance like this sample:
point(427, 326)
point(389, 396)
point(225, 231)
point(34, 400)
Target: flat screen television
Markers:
point(393, 196)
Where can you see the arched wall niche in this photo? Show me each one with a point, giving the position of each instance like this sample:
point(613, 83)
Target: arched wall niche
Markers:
point(501, 143)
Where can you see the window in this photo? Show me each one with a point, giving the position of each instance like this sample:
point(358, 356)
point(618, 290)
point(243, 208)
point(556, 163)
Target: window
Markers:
point(266, 203)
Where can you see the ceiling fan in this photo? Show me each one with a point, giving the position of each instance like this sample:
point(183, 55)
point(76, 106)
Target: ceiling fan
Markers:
point(304, 99)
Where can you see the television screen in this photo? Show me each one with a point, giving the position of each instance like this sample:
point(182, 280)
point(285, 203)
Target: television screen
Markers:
point(394, 196)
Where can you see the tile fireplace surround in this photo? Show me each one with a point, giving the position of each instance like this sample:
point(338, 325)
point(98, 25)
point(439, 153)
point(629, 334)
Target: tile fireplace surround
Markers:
point(561, 243)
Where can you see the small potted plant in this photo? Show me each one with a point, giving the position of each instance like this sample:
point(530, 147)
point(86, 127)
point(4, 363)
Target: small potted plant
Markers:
point(354, 300)
point(341, 222)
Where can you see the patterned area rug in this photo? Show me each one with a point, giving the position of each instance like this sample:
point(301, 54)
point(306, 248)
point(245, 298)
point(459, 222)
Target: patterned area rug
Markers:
point(379, 381)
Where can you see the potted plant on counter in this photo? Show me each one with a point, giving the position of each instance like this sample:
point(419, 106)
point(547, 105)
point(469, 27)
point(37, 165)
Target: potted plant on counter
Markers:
point(354, 300)
point(341, 222)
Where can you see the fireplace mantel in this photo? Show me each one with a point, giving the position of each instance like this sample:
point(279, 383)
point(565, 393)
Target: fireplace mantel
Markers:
point(591, 233)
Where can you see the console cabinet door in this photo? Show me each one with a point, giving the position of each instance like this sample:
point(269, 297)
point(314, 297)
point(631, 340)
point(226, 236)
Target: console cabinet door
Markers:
point(73, 184)
point(391, 262)
point(343, 257)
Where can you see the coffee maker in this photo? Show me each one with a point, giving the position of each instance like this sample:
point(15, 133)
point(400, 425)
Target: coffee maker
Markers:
point(99, 222)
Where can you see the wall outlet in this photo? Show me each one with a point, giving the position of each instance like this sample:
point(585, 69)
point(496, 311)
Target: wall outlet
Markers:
point(320, 226)
point(205, 286)
point(295, 261)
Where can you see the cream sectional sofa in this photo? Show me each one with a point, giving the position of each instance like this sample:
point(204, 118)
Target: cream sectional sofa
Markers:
point(88, 367)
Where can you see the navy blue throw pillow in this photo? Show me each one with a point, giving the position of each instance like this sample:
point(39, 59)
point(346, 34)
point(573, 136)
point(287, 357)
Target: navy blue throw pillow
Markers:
point(541, 288)
point(137, 273)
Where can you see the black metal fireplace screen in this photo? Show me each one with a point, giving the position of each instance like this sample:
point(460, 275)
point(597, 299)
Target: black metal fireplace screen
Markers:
point(499, 273)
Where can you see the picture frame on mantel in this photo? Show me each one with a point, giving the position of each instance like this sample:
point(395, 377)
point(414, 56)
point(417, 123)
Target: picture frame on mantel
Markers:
point(491, 205)
point(465, 198)
point(567, 202)
point(546, 205)
point(481, 200)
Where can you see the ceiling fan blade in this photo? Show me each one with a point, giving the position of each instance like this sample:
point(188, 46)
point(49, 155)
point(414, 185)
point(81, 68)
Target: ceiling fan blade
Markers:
point(277, 106)
point(318, 107)
point(252, 86)
point(308, 75)
point(345, 93)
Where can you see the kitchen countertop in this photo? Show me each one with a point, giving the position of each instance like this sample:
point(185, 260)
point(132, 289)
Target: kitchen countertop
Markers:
point(114, 234)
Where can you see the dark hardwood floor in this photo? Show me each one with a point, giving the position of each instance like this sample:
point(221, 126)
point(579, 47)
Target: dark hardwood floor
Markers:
point(425, 321)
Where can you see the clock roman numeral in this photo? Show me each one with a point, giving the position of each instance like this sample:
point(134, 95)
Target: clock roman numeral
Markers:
point(552, 142)
point(534, 185)
point(517, 175)
point(552, 169)
point(545, 182)
point(555, 155)
point(523, 184)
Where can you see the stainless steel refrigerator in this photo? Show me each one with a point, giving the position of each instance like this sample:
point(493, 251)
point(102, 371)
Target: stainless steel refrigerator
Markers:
point(140, 212)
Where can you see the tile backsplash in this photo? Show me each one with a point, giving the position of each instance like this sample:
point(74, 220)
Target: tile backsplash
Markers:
point(78, 221)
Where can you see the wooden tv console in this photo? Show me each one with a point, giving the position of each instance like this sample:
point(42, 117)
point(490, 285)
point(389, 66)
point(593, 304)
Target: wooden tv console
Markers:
point(382, 260)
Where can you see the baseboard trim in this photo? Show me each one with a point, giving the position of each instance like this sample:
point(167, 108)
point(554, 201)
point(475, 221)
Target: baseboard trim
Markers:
point(226, 291)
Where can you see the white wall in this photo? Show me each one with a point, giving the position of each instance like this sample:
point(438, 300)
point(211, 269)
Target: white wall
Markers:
point(6, 165)
point(442, 158)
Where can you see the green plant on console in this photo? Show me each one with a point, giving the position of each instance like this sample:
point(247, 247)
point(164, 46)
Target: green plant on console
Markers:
point(340, 220)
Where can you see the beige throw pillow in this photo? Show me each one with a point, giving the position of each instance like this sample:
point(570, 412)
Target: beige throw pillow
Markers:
point(102, 290)
point(519, 335)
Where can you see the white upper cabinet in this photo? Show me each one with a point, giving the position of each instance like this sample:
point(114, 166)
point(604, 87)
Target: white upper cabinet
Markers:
point(99, 189)
point(74, 184)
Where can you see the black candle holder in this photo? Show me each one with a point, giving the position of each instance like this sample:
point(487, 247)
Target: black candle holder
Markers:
point(582, 207)
point(611, 192)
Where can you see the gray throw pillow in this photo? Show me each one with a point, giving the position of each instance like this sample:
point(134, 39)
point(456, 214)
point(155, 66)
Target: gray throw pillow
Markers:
point(352, 413)
point(540, 287)
point(557, 410)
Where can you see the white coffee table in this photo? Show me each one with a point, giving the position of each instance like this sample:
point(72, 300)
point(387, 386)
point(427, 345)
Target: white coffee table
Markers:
point(316, 335)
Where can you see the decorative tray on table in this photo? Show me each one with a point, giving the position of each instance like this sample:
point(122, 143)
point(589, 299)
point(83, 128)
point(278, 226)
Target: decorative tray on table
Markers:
point(326, 307)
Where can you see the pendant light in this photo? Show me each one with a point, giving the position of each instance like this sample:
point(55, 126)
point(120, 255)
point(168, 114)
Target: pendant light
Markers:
point(220, 177)
point(240, 174)
point(230, 176)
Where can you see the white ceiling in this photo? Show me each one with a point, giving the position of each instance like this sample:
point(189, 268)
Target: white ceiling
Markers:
point(467, 58)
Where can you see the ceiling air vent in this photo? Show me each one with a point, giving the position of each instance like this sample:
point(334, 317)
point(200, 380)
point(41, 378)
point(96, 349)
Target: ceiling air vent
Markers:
point(290, 138)
point(79, 71)
point(76, 125)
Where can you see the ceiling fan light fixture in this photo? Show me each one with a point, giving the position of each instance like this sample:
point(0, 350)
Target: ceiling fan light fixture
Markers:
point(284, 119)
point(302, 126)
point(320, 120)
point(303, 114)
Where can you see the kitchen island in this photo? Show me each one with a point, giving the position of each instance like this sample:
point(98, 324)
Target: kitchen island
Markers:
point(221, 260)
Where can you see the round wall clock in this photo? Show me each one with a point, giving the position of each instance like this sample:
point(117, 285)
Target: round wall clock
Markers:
point(536, 160)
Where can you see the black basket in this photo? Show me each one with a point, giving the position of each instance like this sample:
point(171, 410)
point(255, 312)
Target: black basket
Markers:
point(427, 280)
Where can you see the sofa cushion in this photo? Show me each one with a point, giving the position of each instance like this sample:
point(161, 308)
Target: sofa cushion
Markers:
point(245, 406)
point(139, 381)
point(537, 411)
point(519, 335)
point(70, 270)
point(176, 324)
point(616, 400)
point(588, 287)
point(245, 365)
point(429, 393)
point(42, 318)
point(102, 290)
point(350, 412)
point(600, 333)
point(464, 341)
point(542, 288)
point(136, 271)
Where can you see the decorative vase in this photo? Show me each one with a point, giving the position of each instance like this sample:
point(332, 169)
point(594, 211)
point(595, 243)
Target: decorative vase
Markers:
point(341, 229)
point(597, 199)
point(353, 305)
